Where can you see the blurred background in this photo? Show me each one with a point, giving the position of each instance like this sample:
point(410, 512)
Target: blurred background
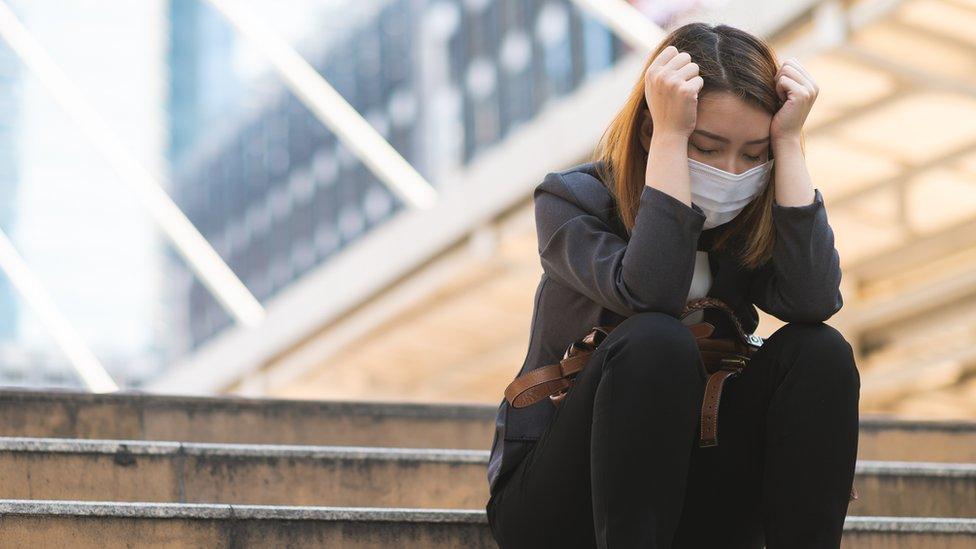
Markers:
point(331, 199)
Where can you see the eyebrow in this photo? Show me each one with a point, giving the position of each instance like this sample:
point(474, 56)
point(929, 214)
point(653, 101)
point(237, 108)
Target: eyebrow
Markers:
point(726, 140)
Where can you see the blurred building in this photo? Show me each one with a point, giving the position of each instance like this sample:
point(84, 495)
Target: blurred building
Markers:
point(441, 80)
point(204, 87)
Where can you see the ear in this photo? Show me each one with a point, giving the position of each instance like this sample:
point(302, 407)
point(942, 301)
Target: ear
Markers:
point(645, 131)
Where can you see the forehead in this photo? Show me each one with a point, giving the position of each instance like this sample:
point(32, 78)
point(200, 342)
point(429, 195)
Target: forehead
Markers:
point(725, 114)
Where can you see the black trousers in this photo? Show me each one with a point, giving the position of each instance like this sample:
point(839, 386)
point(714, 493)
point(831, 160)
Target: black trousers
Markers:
point(619, 464)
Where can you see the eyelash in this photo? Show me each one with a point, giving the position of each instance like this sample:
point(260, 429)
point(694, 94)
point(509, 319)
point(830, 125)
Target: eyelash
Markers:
point(710, 151)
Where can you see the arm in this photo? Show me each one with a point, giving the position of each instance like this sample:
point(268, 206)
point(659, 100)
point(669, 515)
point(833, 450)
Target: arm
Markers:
point(802, 282)
point(651, 272)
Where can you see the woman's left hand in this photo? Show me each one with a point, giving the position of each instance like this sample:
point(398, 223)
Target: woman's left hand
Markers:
point(796, 87)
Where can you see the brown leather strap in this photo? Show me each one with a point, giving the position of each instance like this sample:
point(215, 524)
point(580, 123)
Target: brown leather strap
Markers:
point(533, 386)
point(702, 330)
point(555, 380)
point(710, 404)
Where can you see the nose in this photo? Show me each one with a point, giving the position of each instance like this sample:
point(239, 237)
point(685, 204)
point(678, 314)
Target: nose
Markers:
point(730, 166)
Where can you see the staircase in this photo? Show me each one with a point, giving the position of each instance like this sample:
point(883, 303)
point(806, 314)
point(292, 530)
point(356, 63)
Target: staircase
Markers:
point(135, 469)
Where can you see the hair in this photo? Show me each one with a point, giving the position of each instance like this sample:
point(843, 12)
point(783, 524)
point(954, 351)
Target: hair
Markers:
point(729, 60)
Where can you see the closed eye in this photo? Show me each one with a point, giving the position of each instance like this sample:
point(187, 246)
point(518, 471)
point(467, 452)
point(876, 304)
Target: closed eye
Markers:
point(712, 151)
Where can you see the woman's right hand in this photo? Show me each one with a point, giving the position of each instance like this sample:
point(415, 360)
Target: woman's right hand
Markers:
point(671, 86)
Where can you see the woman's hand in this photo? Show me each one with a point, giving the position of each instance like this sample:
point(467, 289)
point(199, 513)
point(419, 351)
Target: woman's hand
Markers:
point(796, 87)
point(671, 86)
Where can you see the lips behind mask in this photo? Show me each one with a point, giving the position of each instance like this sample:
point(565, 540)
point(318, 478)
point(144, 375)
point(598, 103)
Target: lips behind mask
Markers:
point(723, 195)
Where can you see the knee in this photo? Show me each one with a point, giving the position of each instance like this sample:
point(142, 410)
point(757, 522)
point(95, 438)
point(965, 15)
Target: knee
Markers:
point(655, 344)
point(824, 348)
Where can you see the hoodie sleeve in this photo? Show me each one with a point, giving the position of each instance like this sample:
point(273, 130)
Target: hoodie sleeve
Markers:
point(801, 283)
point(650, 272)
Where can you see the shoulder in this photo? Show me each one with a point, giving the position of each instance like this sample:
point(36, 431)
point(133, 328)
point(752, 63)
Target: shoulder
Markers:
point(581, 186)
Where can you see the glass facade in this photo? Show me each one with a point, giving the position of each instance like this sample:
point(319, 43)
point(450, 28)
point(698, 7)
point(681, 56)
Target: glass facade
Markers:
point(203, 86)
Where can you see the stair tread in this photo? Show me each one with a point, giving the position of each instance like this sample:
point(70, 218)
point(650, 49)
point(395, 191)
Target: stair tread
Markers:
point(302, 512)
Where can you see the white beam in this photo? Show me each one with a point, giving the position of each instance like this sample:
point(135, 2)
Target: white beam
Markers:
point(333, 110)
point(626, 21)
point(92, 373)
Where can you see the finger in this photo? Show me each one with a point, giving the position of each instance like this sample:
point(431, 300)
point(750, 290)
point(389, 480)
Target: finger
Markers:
point(795, 63)
point(688, 71)
point(663, 57)
point(781, 87)
point(678, 61)
point(798, 76)
point(806, 73)
point(788, 85)
point(695, 83)
point(801, 74)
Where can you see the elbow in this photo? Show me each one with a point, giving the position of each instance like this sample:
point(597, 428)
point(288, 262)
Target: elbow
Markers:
point(820, 311)
point(829, 307)
point(652, 300)
point(834, 306)
point(668, 308)
point(819, 305)
point(660, 294)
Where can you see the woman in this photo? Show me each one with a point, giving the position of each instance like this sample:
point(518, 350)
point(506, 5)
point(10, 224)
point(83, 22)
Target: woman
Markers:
point(682, 202)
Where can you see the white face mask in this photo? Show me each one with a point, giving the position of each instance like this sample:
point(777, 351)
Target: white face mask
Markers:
point(721, 194)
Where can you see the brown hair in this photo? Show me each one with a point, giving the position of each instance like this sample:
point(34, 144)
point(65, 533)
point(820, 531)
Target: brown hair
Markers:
point(729, 60)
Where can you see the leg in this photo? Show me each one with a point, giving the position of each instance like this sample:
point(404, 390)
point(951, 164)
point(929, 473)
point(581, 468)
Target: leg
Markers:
point(645, 416)
point(811, 435)
point(545, 500)
point(614, 457)
point(787, 444)
point(724, 496)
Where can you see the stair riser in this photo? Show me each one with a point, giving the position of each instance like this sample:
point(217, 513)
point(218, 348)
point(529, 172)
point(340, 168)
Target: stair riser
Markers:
point(366, 482)
point(917, 445)
point(298, 423)
point(243, 479)
point(902, 496)
point(407, 425)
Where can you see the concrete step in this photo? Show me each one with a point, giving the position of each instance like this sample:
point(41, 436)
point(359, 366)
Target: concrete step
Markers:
point(884, 437)
point(908, 533)
point(91, 470)
point(89, 524)
point(139, 416)
point(914, 488)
